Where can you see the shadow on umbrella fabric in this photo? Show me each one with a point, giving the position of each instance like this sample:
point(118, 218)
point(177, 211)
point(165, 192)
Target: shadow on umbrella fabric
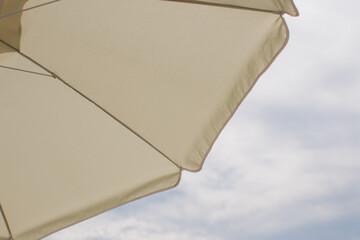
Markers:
point(105, 103)
point(11, 26)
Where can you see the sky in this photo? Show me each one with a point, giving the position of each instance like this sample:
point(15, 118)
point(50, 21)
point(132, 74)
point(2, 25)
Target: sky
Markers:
point(286, 166)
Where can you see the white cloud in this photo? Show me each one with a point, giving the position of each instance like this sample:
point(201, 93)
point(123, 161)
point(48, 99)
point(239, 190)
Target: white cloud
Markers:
point(111, 227)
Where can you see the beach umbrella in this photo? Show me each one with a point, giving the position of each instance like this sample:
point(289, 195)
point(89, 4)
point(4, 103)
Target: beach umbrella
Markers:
point(105, 102)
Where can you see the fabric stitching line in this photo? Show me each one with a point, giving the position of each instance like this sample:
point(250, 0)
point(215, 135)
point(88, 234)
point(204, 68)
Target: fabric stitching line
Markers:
point(226, 6)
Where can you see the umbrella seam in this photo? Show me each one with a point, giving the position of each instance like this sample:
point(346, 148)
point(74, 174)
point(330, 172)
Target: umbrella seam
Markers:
point(184, 1)
point(227, 6)
point(92, 101)
point(27, 9)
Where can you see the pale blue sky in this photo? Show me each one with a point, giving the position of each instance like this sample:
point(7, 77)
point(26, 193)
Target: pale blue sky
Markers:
point(287, 166)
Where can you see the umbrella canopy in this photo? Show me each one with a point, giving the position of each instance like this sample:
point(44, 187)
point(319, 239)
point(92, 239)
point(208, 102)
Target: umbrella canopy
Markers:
point(105, 102)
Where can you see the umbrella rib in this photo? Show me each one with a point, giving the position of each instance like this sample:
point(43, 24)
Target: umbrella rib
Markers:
point(6, 222)
point(27, 9)
point(23, 70)
point(225, 5)
point(92, 101)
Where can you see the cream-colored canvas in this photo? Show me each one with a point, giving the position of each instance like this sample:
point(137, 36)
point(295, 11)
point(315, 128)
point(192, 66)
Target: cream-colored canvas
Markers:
point(104, 102)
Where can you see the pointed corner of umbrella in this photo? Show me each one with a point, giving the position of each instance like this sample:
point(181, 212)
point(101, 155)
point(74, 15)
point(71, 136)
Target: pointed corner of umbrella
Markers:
point(295, 12)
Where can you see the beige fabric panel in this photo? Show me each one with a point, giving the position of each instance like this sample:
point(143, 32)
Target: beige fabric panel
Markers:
point(62, 159)
point(284, 6)
point(173, 72)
